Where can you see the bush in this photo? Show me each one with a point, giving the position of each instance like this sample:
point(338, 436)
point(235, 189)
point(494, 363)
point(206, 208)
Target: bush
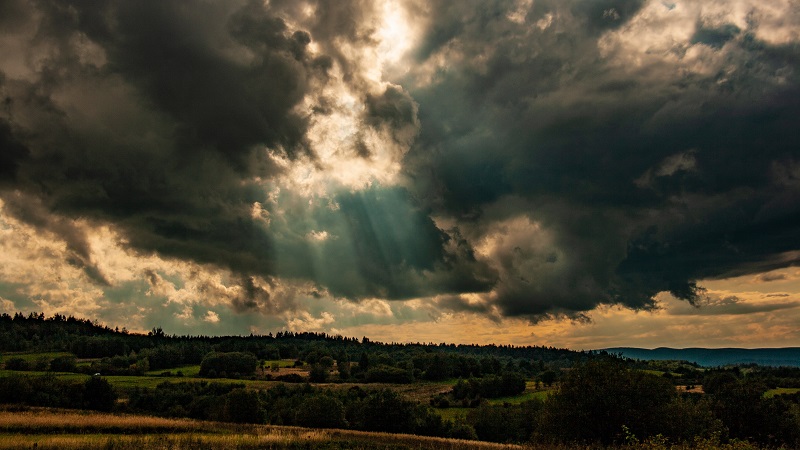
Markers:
point(387, 374)
point(505, 423)
point(242, 406)
point(99, 394)
point(597, 399)
point(383, 410)
point(492, 386)
point(462, 430)
point(233, 362)
point(64, 364)
point(291, 378)
point(17, 364)
point(318, 374)
point(321, 411)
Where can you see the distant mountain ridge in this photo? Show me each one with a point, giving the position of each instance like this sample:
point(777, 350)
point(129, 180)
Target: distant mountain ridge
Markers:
point(712, 357)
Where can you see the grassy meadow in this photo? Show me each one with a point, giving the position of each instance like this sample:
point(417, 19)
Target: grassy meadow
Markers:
point(58, 429)
point(67, 429)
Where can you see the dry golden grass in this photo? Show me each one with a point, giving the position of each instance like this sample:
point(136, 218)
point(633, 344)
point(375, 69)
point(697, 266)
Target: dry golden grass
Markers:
point(66, 429)
point(44, 420)
point(54, 429)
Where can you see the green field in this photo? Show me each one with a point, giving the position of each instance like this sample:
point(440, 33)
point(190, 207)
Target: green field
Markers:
point(780, 391)
point(129, 381)
point(419, 392)
point(33, 357)
point(660, 373)
point(282, 363)
point(524, 397)
point(452, 413)
point(187, 371)
point(62, 375)
point(126, 382)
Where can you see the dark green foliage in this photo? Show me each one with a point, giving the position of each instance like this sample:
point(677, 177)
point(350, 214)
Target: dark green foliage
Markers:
point(387, 374)
point(16, 364)
point(40, 364)
point(548, 377)
point(99, 394)
point(64, 364)
point(505, 423)
point(96, 393)
point(321, 411)
point(741, 407)
point(344, 369)
point(492, 386)
point(716, 382)
point(202, 400)
point(382, 410)
point(98, 346)
point(438, 368)
point(462, 430)
point(363, 362)
point(243, 406)
point(689, 417)
point(291, 378)
point(597, 399)
point(318, 374)
point(231, 363)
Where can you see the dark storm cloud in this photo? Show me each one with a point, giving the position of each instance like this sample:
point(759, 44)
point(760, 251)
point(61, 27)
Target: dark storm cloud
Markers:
point(647, 178)
point(79, 254)
point(713, 36)
point(153, 115)
point(165, 119)
point(734, 306)
point(768, 277)
point(13, 152)
point(554, 168)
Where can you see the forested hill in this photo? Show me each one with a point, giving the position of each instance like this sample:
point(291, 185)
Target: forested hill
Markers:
point(713, 357)
point(88, 339)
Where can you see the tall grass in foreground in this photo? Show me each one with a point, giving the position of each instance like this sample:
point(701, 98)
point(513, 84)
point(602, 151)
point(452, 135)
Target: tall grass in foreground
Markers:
point(52, 429)
point(66, 429)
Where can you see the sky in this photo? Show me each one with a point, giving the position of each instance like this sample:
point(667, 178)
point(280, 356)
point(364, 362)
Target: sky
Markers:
point(575, 173)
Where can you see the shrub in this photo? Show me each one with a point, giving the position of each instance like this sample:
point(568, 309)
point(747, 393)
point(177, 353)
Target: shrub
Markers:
point(99, 394)
point(242, 406)
point(387, 374)
point(232, 362)
point(321, 411)
point(596, 399)
point(16, 364)
point(318, 374)
point(64, 364)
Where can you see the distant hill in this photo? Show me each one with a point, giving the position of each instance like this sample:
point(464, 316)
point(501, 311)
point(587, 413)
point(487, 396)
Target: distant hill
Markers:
point(712, 357)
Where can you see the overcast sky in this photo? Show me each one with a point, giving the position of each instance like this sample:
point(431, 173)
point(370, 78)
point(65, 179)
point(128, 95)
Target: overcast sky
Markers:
point(579, 173)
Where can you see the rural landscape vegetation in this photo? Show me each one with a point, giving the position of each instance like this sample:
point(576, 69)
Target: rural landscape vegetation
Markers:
point(73, 383)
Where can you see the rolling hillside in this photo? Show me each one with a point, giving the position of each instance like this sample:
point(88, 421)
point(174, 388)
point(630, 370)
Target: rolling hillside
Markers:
point(712, 357)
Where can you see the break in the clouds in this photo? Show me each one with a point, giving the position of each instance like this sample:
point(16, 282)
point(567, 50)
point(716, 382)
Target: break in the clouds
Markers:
point(277, 163)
